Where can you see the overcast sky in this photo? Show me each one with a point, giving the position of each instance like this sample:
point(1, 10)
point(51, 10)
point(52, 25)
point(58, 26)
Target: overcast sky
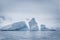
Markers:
point(45, 11)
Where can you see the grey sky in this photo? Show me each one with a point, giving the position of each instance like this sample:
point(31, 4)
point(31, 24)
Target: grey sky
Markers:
point(45, 11)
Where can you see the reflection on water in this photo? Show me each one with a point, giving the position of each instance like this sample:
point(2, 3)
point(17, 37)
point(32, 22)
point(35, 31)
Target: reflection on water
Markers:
point(27, 35)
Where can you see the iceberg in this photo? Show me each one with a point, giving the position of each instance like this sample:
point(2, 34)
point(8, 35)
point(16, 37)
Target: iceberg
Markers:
point(43, 28)
point(19, 26)
point(33, 25)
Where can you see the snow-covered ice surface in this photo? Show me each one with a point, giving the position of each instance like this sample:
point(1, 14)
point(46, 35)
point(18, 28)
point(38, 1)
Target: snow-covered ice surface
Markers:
point(29, 35)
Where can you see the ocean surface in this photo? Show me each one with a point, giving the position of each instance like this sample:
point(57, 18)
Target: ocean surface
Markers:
point(29, 35)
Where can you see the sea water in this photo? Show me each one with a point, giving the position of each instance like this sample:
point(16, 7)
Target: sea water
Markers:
point(29, 35)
